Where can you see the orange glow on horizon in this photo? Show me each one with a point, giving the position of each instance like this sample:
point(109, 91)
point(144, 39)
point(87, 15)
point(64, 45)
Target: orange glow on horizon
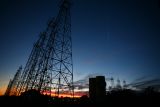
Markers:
point(76, 94)
point(2, 90)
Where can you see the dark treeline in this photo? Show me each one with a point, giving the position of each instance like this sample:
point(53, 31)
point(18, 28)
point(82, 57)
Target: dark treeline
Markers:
point(125, 97)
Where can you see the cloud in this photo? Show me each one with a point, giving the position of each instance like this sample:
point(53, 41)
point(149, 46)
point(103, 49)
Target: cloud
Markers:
point(84, 82)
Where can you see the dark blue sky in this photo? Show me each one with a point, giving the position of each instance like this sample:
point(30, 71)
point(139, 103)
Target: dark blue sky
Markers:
point(118, 38)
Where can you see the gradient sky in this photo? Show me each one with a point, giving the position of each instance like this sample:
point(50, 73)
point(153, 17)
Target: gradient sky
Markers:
point(118, 38)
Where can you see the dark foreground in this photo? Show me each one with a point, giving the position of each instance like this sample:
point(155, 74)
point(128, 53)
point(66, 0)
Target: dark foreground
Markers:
point(119, 98)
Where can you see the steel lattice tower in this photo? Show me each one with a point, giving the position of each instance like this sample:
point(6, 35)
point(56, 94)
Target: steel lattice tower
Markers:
point(13, 84)
point(49, 68)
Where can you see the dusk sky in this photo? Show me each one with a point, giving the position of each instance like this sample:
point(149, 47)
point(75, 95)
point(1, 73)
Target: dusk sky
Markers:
point(115, 38)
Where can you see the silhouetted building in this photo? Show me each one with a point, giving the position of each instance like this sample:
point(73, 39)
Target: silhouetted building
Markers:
point(92, 87)
point(97, 87)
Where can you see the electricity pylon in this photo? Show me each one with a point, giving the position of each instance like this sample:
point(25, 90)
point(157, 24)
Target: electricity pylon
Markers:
point(49, 68)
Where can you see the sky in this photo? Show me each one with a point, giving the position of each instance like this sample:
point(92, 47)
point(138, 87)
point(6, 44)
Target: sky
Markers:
point(115, 38)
